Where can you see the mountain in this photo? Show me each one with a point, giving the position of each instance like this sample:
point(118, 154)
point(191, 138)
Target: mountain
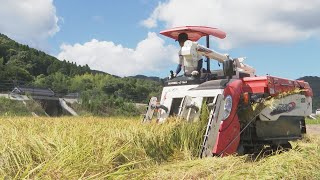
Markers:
point(152, 78)
point(19, 62)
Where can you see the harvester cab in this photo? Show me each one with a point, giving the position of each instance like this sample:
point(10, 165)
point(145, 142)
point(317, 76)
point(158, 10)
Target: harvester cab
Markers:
point(234, 125)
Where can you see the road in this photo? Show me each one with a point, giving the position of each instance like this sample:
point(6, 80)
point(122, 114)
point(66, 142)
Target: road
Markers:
point(313, 129)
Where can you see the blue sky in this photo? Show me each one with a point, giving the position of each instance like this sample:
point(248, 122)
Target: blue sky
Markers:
point(116, 21)
point(280, 38)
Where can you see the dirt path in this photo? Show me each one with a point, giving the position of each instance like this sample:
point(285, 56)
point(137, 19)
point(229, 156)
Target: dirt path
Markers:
point(313, 129)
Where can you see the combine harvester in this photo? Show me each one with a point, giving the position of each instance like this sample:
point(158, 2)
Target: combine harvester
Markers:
point(229, 93)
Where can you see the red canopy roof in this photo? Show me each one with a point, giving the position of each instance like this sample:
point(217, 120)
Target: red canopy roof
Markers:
point(194, 32)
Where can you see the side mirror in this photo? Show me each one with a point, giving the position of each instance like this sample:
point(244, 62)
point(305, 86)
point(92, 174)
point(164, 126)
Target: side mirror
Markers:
point(228, 68)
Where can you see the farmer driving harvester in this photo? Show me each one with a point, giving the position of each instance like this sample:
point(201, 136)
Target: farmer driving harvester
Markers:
point(245, 113)
point(191, 67)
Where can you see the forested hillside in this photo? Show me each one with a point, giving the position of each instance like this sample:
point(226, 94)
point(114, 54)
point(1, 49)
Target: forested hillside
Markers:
point(20, 64)
point(102, 94)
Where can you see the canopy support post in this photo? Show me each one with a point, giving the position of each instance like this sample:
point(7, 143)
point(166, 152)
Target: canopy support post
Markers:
point(208, 59)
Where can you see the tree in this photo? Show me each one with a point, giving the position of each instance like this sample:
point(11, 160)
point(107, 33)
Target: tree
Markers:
point(60, 82)
point(13, 72)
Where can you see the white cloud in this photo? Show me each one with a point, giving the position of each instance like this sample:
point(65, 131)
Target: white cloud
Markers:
point(150, 54)
point(28, 21)
point(151, 22)
point(246, 21)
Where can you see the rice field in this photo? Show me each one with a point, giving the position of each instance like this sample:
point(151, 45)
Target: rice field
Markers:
point(123, 148)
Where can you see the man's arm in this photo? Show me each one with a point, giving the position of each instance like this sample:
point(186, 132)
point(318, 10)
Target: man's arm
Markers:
point(180, 63)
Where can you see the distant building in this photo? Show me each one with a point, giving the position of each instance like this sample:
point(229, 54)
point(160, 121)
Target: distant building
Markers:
point(318, 112)
point(33, 91)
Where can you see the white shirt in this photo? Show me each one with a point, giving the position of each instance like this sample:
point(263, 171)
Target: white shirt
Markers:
point(189, 64)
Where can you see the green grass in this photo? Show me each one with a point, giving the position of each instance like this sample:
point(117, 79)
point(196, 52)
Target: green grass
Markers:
point(10, 107)
point(120, 148)
point(313, 121)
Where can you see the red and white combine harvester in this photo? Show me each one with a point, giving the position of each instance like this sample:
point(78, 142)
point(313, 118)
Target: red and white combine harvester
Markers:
point(229, 92)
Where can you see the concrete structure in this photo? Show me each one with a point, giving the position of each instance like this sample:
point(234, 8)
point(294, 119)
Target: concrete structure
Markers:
point(49, 101)
point(67, 108)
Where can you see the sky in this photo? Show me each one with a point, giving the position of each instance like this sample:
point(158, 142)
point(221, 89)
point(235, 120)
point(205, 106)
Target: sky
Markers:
point(278, 37)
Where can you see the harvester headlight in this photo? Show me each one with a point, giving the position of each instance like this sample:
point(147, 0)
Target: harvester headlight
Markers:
point(227, 107)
